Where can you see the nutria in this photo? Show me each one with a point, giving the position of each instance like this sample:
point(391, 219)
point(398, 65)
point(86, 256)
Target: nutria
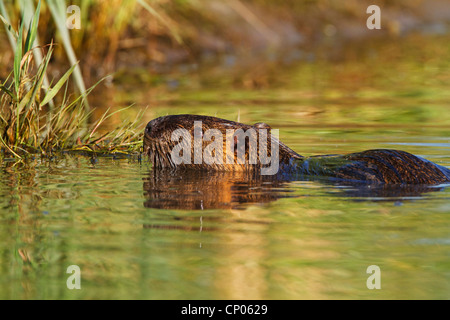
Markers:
point(371, 166)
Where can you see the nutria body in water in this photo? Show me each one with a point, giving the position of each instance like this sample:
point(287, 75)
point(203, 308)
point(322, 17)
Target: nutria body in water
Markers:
point(371, 166)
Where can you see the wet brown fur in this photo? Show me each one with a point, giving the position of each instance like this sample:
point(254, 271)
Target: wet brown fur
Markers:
point(371, 166)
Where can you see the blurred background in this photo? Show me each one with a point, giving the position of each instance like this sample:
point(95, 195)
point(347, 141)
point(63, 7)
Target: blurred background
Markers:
point(306, 62)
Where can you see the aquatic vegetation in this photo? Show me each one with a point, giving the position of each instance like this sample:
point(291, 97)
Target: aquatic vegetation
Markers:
point(31, 123)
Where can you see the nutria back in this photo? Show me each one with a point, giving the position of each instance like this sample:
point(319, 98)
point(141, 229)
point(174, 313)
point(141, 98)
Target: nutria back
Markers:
point(377, 166)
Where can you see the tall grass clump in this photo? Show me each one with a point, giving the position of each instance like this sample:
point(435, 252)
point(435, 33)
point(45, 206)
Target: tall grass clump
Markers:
point(29, 124)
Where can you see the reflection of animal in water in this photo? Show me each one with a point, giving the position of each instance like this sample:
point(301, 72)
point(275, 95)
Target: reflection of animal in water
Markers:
point(209, 190)
point(368, 174)
point(193, 190)
point(388, 192)
point(371, 166)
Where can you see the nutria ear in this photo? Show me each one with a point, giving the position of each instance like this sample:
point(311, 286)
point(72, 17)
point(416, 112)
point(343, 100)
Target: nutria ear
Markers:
point(261, 125)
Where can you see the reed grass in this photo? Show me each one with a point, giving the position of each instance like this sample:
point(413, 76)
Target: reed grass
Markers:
point(28, 125)
point(57, 8)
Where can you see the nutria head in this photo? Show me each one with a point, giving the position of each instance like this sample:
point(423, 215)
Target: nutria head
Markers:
point(210, 143)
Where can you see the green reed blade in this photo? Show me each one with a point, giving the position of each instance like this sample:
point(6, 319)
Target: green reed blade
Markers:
point(18, 57)
point(32, 31)
point(51, 93)
point(8, 92)
point(12, 34)
point(57, 8)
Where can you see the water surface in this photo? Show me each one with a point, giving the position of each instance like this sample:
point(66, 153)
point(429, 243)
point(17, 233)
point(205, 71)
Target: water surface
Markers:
point(137, 234)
